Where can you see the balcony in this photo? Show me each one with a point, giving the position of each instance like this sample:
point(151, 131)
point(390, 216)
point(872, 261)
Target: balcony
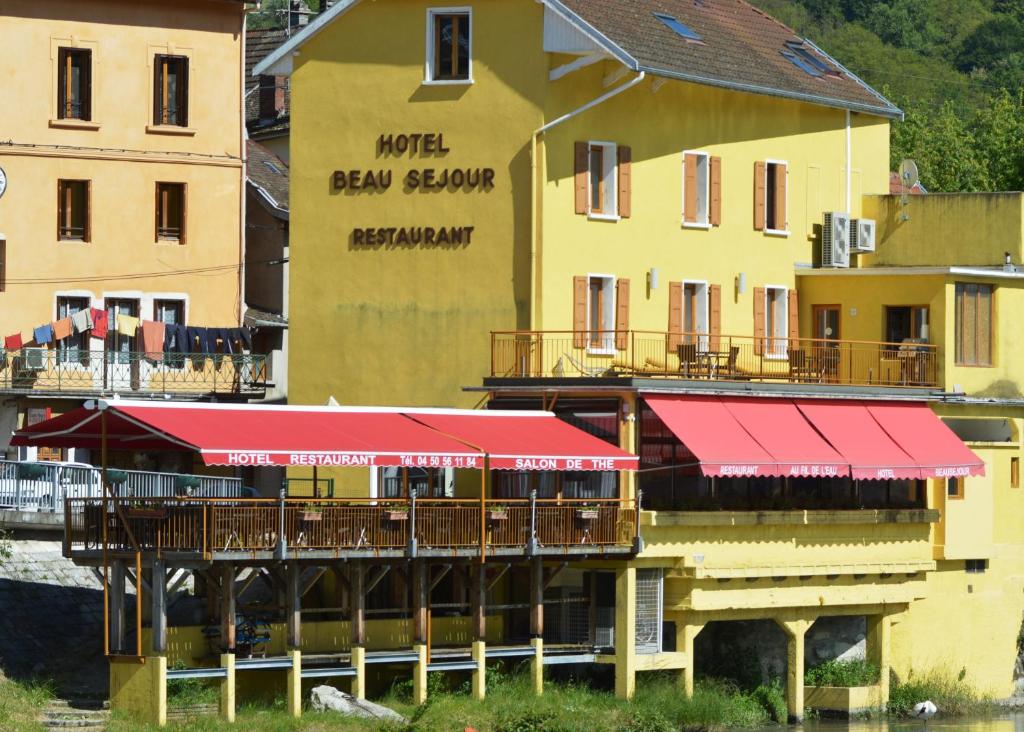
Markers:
point(565, 354)
point(327, 528)
point(89, 373)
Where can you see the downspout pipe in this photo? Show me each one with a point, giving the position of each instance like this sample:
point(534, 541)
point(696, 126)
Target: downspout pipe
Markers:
point(533, 180)
point(849, 163)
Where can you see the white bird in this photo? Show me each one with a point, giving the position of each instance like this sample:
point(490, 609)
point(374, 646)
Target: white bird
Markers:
point(925, 710)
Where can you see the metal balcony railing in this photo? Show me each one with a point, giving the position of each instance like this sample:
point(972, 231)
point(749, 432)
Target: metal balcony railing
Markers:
point(561, 354)
point(44, 486)
point(81, 371)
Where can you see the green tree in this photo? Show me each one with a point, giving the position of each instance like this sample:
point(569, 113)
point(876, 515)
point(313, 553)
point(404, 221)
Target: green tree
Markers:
point(991, 42)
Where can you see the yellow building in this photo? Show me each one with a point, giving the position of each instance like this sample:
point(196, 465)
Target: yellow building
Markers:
point(123, 167)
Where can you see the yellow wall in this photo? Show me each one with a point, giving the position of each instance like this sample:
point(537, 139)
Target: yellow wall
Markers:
point(140, 688)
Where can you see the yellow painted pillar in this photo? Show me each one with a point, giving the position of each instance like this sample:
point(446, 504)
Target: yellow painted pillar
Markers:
point(480, 674)
point(686, 637)
point(795, 631)
point(625, 632)
point(537, 665)
point(359, 664)
point(159, 666)
point(419, 675)
point(227, 688)
point(878, 644)
point(294, 700)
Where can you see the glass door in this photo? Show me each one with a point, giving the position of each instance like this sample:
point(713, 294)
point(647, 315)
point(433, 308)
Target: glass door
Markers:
point(826, 334)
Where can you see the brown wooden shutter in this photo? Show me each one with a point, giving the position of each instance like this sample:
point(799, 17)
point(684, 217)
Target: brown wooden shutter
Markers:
point(759, 320)
point(86, 108)
point(60, 208)
point(158, 90)
point(760, 175)
point(579, 312)
point(625, 181)
point(184, 213)
point(675, 316)
point(621, 314)
point(714, 317)
point(87, 233)
point(690, 188)
point(716, 191)
point(581, 166)
point(794, 316)
point(156, 214)
point(62, 83)
point(183, 91)
point(781, 174)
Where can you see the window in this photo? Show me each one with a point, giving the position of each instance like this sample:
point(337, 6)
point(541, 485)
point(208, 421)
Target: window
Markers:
point(423, 482)
point(955, 488)
point(975, 566)
point(170, 312)
point(74, 348)
point(800, 56)
point(683, 30)
point(74, 84)
point(770, 200)
point(902, 323)
point(696, 188)
point(776, 325)
point(449, 45)
point(601, 313)
point(73, 210)
point(170, 91)
point(973, 321)
point(601, 180)
point(170, 212)
point(1015, 472)
point(695, 313)
point(120, 346)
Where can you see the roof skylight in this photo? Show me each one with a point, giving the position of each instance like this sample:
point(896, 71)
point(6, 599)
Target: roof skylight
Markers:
point(802, 58)
point(681, 29)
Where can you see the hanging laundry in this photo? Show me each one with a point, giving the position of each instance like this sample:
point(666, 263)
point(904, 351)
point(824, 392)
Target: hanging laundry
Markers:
point(127, 325)
point(170, 337)
point(99, 323)
point(82, 321)
point(191, 336)
point(13, 342)
point(181, 342)
point(62, 329)
point(43, 334)
point(227, 339)
point(153, 339)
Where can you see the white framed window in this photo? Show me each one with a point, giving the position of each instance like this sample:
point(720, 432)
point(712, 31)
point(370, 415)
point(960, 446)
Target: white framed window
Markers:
point(695, 313)
point(696, 189)
point(601, 313)
point(776, 197)
point(776, 326)
point(602, 180)
point(74, 349)
point(449, 46)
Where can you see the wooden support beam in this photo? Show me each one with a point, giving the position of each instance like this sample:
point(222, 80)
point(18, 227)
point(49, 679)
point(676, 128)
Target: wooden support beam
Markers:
point(293, 616)
point(478, 602)
point(227, 607)
point(318, 572)
point(159, 613)
point(250, 578)
point(536, 597)
point(445, 569)
point(554, 573)
point(498, 575)
point(420, 601)
point(381, 573)
point(118, 628)
point(357, 580)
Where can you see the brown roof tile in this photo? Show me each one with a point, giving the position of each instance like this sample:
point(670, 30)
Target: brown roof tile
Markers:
point(268, 172)
point(258, 45)
point(741, 47)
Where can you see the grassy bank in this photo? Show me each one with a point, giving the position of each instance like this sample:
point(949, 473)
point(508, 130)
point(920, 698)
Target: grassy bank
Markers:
point(20, 705)
point(953, 695)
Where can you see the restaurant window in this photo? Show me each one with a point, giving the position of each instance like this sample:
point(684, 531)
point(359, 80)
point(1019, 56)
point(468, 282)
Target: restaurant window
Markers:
point(170, 212)
point(74, 84)
point(73, 210)
point(776, 326)
point(423, 482)
point(170, 90)
point(449, 46)
point(973, 324)
point(512, 485)
point(906, 322)
point(955, 488)
point(120, 345)
point(74, 348)
point(601, 313)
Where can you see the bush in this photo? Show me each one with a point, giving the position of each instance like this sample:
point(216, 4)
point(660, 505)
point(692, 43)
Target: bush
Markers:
point(954, 697)
point(189, 692)
point(842, 673)
point(772, 698)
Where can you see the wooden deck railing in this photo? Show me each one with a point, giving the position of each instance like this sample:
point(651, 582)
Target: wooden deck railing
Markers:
point(205, 526)
point(560, 354)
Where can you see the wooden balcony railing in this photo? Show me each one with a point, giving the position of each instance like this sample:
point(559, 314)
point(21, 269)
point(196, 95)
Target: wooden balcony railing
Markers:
point(81, 371)
point(561, 354)
point(206, 526)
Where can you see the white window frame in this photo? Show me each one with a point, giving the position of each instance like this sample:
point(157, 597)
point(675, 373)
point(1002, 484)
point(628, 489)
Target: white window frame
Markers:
point(428, 67)
point(781, 351)
point(767, 229)
point(703, 315)
point(706, 213)
point(62, 355)
point(610, 177)
point(608, 315)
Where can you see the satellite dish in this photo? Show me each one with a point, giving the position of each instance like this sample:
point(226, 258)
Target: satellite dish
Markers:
point(909, 176)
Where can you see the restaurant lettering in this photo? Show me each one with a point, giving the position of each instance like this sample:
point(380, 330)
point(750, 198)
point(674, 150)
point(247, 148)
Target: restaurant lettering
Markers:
point(422, 179)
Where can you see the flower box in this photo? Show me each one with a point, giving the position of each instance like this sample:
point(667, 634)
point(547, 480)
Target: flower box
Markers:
point(396, 515)
point(312, 515)
point(497, 514)
point(587, 514)
point(148, 513)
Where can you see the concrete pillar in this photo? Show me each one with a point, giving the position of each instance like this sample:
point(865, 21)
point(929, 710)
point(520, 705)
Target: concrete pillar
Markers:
point(878, 644)
point(537, 597)
point(686, 637)
point(159, 665)
point(357, 596)
point(625, 632)
point(227, 607)
point(420, 601)
point(537, 665)
point(117, 607)
point(359, 664)
point(795, 631)
point(478, 602)
point(293, 616)
point(419, 675)
point(294, 699)
point(479, 652)
point(158, 623)
point(227, 688)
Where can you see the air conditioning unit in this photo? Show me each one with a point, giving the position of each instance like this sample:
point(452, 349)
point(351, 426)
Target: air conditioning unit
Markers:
point(862, 235)
point(33, 359)
point(835, 240)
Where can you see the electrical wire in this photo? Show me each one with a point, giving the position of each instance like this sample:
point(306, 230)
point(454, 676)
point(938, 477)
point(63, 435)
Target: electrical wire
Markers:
point(140, 275)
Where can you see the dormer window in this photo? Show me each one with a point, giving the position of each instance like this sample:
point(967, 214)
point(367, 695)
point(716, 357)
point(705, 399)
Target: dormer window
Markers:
point(449, 46)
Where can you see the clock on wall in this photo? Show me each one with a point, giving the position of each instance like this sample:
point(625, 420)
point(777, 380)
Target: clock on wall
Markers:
point(3, 182)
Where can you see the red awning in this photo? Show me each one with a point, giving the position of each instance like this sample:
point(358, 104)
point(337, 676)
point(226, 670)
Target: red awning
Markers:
point(528, 440)
point(922, 435)
point(779, 427)
point(719, 443)
point(854, 432)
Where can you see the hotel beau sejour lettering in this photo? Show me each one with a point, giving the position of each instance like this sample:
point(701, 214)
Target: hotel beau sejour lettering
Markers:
point(422, 144)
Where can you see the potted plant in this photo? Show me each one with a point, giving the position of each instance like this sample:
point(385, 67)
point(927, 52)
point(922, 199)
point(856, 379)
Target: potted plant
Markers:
point(497, 512)
point(139, 510)
point(185, 485)
point(116, 477)
point(396, 512)
point(587, 512)
point(312, 512)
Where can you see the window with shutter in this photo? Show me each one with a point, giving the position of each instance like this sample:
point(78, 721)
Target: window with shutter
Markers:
point(696, 189)
point(675, 316)
point(776, 321)
point(170, 90)
point(601, 313)
point(74, 84)
point(973, 324)
point(581, 165)
point(73, 210)
point(716, 191)
point(695, 314)
point(759, 194)
point(602, 180)
point(759, 320)
point(622, 314)
point(714, 317)
point(625, 176)
point(579, 312)
point(776, 175)
point(170, 212)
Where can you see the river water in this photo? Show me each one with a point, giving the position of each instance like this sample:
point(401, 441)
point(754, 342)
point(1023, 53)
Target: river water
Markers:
point(1003, 723)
